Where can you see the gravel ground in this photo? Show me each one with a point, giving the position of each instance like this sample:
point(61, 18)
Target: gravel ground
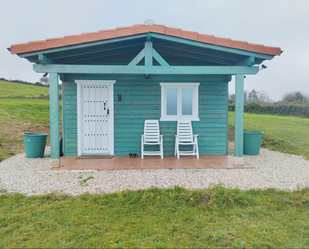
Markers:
point(272, 170)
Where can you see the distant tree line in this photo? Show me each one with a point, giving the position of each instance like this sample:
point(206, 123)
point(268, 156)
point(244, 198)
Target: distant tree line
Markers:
point(253, 96)
point(24, 82)
point(44, 81)
point(291, 104)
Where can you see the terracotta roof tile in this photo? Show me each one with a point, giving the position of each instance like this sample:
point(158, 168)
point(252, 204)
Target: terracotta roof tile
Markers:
point(140, 29)
point(72, 39)
point(189, 35)
point(107, 34)
point(37, 45)
point(125, 31)
point(20, 48)
point(54, 42)
point(239, 44)
point(206, 38)
point(157, 28)
point(172, 31)
point(256, 48)
point(272, 50)
point(226, 42)
point(90, 37)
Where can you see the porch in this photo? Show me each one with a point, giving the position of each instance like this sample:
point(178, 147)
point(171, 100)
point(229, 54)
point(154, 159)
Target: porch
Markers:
point(149, 162)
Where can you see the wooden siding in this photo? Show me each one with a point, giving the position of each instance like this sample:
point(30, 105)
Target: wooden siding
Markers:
point(141, 99)
point(69, 110)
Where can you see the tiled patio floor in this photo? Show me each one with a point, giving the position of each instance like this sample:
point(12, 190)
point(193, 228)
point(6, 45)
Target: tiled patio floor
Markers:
point(149, 162)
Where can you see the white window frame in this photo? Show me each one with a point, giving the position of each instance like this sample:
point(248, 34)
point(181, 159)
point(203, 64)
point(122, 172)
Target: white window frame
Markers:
point(179, 85)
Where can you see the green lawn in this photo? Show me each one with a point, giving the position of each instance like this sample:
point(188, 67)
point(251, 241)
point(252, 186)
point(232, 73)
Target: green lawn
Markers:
point(9, 89)
point(21, 115)
point(173, 218)
point(281, 133)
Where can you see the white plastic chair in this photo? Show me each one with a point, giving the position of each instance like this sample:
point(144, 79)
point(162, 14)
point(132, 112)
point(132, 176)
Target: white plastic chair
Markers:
point(152, 137)
point(185, 137)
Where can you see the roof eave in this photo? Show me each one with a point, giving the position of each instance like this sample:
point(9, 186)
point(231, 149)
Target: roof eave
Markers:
point(140, 29)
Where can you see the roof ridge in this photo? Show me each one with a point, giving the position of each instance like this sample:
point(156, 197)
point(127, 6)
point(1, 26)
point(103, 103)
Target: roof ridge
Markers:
point(140, 29)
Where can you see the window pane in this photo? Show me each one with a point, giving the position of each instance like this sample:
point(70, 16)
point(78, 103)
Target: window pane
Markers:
point(186, 101)
point(171, 101)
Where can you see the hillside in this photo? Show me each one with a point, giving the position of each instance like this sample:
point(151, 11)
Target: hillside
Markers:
point(286, 134)
point(19, 114)
point(12, 89)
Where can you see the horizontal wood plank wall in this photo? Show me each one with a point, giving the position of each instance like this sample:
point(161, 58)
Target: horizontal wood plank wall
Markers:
point(69, 96)
point(141, 99)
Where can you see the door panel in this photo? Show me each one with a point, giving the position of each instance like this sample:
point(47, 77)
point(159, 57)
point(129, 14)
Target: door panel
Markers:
point(95, 119)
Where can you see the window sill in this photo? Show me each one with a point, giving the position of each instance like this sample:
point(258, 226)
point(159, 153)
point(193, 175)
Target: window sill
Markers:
point(179, 119)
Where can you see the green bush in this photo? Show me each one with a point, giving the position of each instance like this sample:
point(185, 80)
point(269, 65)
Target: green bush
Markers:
point(276, 109)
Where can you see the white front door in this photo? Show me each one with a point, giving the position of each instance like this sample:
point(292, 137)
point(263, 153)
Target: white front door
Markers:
point(95, 114)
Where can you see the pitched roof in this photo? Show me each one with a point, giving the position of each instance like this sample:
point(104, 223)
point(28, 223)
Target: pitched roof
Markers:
point(140, 29)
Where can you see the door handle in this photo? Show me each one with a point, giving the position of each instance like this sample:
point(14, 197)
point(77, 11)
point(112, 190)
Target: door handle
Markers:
point(104, 106)
point(107, 111)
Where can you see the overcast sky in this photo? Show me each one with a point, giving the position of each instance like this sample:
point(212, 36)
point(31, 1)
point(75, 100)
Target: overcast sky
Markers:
point(280, 23)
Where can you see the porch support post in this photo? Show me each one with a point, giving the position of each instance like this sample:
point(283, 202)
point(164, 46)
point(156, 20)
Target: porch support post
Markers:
point(54, 118)
point(239, 119)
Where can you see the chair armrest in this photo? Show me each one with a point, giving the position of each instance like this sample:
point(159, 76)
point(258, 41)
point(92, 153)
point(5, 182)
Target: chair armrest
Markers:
point(176, 139)
point(195, 138)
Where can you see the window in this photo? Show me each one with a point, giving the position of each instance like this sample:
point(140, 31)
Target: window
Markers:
point(179, 101)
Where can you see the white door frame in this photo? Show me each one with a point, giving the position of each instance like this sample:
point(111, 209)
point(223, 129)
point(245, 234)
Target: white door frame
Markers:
point(110, 84)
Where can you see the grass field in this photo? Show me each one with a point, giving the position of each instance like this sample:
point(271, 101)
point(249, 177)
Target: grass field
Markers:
point(21, 114)
point(10, 90)
point(281, 133)
point(214, 217)
point(172, 218)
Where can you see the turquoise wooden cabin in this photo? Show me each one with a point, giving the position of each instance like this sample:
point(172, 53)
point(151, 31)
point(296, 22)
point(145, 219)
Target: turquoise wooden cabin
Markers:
point(113, 80)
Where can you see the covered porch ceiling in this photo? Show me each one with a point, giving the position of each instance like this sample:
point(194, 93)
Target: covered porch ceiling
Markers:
point(121, 50)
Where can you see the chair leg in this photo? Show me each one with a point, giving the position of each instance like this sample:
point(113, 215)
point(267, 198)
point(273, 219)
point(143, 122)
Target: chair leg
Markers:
point(177, 151)
point(161, 149)
point(142, 149)
point(196, 147)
